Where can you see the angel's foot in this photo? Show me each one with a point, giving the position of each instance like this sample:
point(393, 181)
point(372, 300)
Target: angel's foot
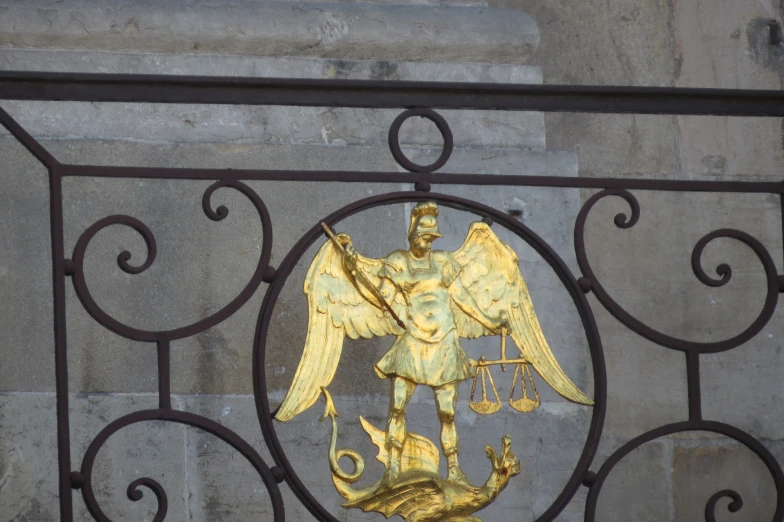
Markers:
point(393, 468)
point(388, 480)
point(456, 476)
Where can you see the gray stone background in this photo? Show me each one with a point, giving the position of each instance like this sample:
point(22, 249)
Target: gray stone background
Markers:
point(201, 265)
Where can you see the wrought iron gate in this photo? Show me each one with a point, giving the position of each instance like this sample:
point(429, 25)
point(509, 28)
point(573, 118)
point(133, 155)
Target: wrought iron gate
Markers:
point(418, 99)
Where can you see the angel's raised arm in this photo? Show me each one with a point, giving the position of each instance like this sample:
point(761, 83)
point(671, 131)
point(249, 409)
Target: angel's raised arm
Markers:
point(336, 310)
point(383, 285)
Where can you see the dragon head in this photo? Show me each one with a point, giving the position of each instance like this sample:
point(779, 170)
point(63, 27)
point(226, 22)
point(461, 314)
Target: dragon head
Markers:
point(505, 466)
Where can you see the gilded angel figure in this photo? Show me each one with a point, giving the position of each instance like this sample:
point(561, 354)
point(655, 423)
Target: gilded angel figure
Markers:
point(429, 300)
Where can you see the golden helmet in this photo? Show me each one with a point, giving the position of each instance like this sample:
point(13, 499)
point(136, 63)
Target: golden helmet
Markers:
point(423, 221)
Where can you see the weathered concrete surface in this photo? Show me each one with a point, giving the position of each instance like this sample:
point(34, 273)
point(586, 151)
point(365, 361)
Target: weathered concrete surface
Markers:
point(332, 30)
point(608, 43)
point(683, 43)
point(28, 473)
point(728, 45)
point(700, 471)
point(268, 125)
point(629, 494)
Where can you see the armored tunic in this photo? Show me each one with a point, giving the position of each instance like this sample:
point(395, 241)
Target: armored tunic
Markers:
point(429, 351)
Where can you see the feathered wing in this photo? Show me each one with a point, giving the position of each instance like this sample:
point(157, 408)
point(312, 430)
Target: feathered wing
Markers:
point(491, 275)
point(336, 310)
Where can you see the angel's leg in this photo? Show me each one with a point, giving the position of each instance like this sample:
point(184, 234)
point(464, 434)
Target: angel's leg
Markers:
point(396, 425)
point(446, 401)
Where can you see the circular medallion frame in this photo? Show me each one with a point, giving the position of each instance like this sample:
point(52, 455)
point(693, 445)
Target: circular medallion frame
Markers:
point(581, 473)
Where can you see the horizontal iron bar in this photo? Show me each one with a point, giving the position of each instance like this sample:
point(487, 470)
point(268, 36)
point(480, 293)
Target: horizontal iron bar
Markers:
point(436, 178)
point(17, 85)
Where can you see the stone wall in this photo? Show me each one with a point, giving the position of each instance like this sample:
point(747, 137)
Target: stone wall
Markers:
point(201, 265)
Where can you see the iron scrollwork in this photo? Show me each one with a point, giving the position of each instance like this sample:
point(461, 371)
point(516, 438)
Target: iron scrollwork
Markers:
point(74, 267)
point(692, 349)
point(420, 99)
point(723, 270)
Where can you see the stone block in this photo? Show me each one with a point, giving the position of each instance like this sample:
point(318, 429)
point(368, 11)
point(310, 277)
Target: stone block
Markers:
point(222, 484)
point(699, 472)
point(279, 125)
point(646, 384)
point(27, 345)
point(726, 44)
point(608, 43)
point(28, 457)
point(639, 486)
point(330, 30)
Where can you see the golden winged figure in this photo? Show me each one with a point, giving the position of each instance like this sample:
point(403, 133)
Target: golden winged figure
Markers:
point(428, 299)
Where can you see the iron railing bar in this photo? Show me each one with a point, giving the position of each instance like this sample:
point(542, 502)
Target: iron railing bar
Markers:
point(60, 343)
point(693, 383)
point(30, 143)
point(141, 88)
point(436, 178)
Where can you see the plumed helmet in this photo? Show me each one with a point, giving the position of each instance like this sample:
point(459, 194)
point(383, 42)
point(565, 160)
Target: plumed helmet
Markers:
point(423, 221)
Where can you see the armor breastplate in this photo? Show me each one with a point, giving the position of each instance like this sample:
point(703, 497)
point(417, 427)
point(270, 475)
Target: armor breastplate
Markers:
point(429, 303)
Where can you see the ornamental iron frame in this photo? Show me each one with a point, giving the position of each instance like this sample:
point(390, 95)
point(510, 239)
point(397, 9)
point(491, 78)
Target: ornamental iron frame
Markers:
point(418, 99)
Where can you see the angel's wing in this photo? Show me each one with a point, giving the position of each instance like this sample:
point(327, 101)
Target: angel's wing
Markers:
point(491, 275)
point(336, 310)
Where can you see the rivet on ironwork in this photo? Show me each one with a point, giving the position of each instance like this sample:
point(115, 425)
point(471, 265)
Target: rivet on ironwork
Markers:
point(422, 186)
point(517, 214)
point(443, 128)
point(77, 480)
point(487, 220)
point(269, 274)
point(585, 284)
point(589, 479)
point(278, 473)
point(68, 266)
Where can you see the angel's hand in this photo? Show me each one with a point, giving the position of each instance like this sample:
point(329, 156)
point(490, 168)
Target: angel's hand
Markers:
point(350, 258)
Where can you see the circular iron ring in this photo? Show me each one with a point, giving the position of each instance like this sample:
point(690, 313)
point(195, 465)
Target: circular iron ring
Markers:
point(443, 128)
point(483, 211)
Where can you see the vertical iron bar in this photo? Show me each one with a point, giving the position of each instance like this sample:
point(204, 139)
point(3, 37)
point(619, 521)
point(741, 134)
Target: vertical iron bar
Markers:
point(781, 200)
point(693, 380)
point(60, 346)
point(164, 375)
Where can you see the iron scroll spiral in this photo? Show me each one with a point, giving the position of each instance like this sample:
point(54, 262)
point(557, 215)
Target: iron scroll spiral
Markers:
point(76, 267)
point(733, 507)
point(83, 479)
point(723, 270)
point(181, 417)
point(716, 427)
point(692, 348)
point(548, 254)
